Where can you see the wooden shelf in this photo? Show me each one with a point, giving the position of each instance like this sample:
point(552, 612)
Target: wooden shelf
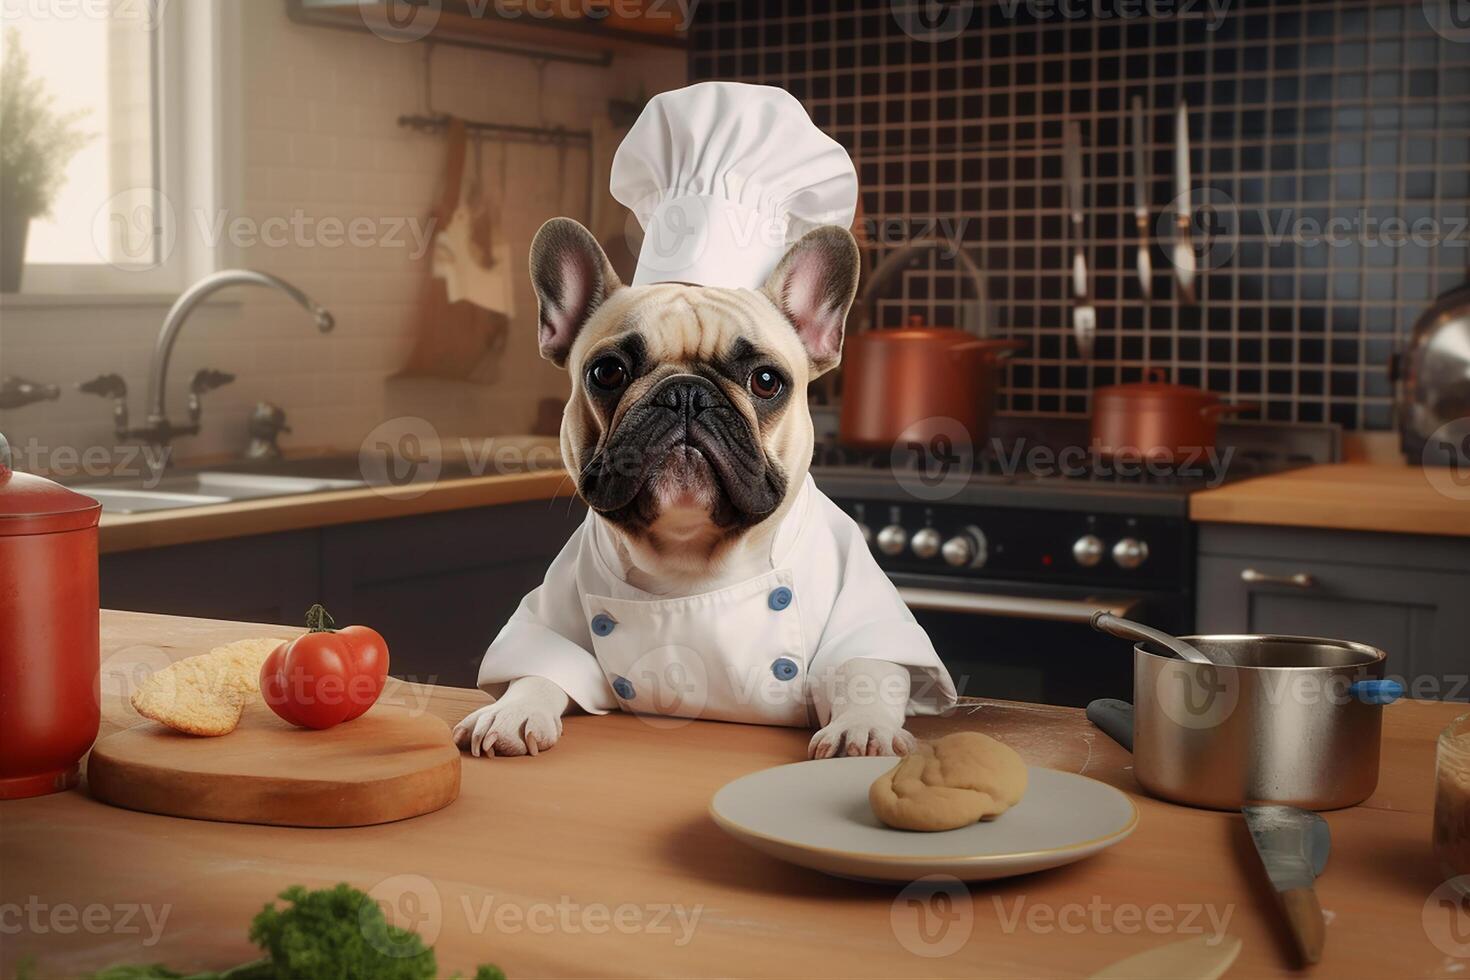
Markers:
point(586, 31)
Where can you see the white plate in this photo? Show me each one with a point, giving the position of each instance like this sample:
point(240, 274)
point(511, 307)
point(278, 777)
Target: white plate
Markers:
point(816, 814)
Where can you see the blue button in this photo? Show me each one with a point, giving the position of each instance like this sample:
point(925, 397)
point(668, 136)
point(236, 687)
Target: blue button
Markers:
point(784, 669)
point(602, 624)
point(779, 599)
point(624, 688)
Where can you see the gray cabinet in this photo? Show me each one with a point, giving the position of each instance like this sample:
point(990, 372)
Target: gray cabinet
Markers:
point(437, 586)
point(440, 586)
point(267, 578)
point(1408, 595)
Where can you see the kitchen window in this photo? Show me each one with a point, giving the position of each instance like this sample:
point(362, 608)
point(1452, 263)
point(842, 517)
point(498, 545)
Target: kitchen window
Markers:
point(144, 80)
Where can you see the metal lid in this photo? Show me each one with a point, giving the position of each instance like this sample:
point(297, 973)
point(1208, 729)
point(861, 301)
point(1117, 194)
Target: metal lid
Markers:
point(31, 504)
point(1156, 385)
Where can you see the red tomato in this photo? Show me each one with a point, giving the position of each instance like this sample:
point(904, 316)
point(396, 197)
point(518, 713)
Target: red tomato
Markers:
point(326, 676)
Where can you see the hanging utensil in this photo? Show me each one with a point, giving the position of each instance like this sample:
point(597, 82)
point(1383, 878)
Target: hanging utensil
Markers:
point(1140, 199)
point(1183, 215)
point(1084, 316)
point(482, 234)
point(1293, 844)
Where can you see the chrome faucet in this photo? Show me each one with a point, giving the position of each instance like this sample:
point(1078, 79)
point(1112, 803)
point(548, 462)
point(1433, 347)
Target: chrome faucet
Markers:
point(158, 430)
point(16, 392)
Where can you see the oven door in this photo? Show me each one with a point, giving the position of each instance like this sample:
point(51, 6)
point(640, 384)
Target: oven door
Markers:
point(1031, 643)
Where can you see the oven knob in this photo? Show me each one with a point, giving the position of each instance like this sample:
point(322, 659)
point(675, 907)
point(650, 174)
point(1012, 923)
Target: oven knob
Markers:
point(1130, 553)
point(966, 549)
point(926, 542)
point(1088, 550)
point(892, 540)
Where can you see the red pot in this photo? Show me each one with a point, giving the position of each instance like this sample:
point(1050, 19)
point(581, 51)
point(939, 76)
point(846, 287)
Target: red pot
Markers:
point(49, 699)
point(1158, 421)
point(916, 383)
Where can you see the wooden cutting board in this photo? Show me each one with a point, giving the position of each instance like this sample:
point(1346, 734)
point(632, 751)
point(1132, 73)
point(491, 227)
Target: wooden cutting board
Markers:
point(388, 765)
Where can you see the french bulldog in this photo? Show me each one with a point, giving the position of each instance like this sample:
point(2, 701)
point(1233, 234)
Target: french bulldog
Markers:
point(688, 434)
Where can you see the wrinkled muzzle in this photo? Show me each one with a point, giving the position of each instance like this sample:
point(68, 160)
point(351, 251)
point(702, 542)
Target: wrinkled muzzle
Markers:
point(684, 422)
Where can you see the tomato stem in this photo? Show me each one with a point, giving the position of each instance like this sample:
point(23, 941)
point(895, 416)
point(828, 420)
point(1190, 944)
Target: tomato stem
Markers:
point(318, 620)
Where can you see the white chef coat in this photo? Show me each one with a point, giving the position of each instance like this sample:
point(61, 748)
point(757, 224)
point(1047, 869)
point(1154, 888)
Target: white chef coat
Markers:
point(751, 652)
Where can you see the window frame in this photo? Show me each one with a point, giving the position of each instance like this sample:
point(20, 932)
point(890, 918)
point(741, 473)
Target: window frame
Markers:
point(195, 88)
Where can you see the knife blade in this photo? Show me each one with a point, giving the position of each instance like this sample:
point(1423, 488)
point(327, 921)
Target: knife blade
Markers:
point(1084, 316)
point(1293, 845)
point(1183, 212)
point(1140, 199)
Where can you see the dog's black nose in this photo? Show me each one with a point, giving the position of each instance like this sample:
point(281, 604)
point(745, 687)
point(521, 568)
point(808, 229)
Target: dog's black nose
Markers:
point(685, 393)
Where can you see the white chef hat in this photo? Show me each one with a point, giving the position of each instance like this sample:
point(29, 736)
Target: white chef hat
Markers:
point(723, 177)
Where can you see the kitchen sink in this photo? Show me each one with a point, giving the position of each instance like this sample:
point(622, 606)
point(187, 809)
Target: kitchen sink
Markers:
point(204, 487)
point(124, 501)
point(351, 467)
point(258, 479)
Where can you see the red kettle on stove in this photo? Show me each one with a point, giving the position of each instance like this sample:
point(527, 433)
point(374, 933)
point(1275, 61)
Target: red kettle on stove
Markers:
point(50, 704)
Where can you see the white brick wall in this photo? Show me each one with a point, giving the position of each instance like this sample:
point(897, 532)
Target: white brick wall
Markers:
point(320, 137)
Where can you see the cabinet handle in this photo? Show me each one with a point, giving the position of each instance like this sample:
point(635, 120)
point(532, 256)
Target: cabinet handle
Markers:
point(1301, 580)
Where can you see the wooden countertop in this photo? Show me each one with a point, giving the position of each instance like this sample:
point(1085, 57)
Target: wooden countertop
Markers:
point(125, 532)
point(614, 820)
point(1390, 497)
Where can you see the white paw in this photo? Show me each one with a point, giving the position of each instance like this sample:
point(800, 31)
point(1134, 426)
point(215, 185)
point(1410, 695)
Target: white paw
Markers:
point(861, 736)
point(508, 727)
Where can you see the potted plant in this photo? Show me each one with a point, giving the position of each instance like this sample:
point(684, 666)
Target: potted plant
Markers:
point(36, 143)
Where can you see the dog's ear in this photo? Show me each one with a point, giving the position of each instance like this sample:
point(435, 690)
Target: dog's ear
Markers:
point(814, 285)
point(572, 278)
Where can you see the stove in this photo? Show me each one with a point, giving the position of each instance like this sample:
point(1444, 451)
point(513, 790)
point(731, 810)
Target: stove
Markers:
point(1004, 554)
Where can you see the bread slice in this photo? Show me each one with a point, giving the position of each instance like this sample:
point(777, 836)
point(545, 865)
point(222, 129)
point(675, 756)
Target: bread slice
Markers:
point(205, 695)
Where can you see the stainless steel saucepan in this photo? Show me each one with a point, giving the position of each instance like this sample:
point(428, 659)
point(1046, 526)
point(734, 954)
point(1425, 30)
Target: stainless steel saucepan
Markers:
point(1273, 719)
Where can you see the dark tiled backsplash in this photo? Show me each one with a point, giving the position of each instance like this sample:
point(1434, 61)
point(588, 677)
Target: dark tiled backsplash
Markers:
point(1335, 135)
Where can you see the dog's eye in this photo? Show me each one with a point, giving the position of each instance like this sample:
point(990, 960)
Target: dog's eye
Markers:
point(607, 373)
point(765, 383)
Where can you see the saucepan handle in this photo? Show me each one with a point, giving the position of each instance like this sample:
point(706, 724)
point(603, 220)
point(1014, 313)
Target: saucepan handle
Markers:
point(1228, 408)
point(1376, 691)
point(998, 348)
point(1115, 718)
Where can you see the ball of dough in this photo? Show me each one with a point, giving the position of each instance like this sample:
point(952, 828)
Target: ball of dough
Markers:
point(950, 783)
